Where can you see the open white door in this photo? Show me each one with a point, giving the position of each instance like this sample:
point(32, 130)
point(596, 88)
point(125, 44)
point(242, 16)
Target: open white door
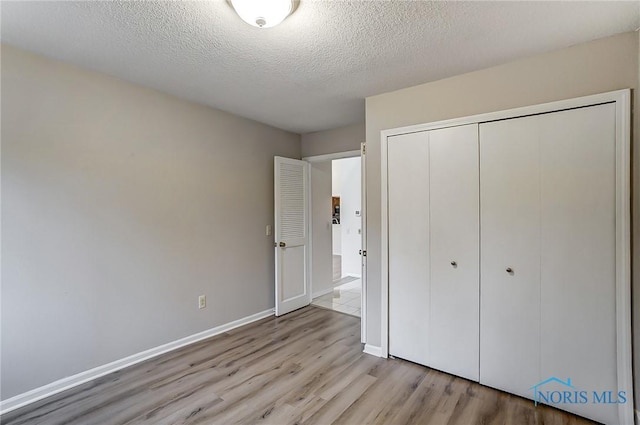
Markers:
point(291, 189)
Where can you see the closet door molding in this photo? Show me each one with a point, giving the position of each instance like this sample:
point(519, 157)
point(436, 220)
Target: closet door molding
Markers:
point(622, 99)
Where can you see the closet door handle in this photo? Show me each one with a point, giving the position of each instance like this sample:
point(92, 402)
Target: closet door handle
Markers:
point(454, 264)
point(509, 270)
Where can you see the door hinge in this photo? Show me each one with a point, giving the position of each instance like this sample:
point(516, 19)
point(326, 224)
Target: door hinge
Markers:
point(363, 252)
point(364, 148)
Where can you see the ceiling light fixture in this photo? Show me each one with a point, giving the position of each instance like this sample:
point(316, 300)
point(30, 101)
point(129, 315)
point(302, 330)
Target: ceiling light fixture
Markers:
point(263, 13)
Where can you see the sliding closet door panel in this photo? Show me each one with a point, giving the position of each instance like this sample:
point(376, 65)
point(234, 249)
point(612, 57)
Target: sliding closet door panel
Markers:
point(510, 255)
point(408, 203)
point(454, 322)
point(578, 253)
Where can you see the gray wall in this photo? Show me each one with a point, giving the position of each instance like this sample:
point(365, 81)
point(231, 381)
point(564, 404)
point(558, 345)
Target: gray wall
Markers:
point(120, 206)
point(321, 249)
point(341, 139)
point(589, 68)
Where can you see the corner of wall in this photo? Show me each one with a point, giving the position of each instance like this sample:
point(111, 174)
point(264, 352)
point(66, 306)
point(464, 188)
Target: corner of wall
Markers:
point(342, 139)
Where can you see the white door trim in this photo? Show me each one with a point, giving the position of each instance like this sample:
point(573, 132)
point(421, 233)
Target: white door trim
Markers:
point(623, 251)
point(331, 156)
point(363, 243)
point(309, 207)
point(622, 99)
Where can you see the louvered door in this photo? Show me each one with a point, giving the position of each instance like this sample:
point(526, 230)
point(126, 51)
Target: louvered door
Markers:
point(291, 234)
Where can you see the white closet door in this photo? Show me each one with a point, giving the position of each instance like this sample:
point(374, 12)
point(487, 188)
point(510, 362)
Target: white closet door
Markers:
point(454, 316)
point(578, 296)
point(408, 200)
point(510, 255)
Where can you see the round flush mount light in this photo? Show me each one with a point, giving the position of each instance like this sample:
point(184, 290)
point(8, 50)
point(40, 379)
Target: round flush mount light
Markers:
point(263, 13)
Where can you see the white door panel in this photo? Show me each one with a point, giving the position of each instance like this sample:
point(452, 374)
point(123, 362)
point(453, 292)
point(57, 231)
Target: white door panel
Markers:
point(291, 190)
point(454, 248)
point(408, 158)
point(293, 278)
point(510, 240)
point(578, 296)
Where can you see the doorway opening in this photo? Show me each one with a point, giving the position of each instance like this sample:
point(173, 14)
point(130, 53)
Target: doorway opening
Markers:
point(344, 292)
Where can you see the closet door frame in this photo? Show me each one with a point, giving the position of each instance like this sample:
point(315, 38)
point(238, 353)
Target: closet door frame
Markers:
point(622, 100)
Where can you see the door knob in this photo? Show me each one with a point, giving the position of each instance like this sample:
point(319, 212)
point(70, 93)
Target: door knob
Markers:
point(454, 264)
point(282, 244)
point(509, 270)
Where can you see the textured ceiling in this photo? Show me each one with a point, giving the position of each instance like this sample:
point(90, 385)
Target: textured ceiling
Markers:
point(314, 70)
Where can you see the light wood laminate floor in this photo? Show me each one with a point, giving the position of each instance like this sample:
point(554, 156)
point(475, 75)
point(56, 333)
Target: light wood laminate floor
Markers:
point(303, 368)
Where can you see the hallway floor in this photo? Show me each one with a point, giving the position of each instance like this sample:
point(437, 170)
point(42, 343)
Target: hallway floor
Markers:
point(345, 298)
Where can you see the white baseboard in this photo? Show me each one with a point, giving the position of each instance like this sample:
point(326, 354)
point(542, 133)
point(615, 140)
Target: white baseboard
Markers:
point(373, 350)
point(321, 293)
point(63, 384)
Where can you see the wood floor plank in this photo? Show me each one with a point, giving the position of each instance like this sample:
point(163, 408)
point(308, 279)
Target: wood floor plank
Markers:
point(306, 367)
point(367, 409)
point(341, 401)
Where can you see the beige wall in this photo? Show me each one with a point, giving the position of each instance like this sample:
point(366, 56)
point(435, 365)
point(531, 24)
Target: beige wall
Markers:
point(120, 206)
point(341, 139)
point(321, 249)
point(594, 67)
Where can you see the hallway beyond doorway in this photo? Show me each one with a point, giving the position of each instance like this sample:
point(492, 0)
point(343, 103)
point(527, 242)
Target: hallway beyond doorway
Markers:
point(345, 298)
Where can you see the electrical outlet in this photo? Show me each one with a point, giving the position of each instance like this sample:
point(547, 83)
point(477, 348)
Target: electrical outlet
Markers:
point(269, 230)
point(202, 301)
